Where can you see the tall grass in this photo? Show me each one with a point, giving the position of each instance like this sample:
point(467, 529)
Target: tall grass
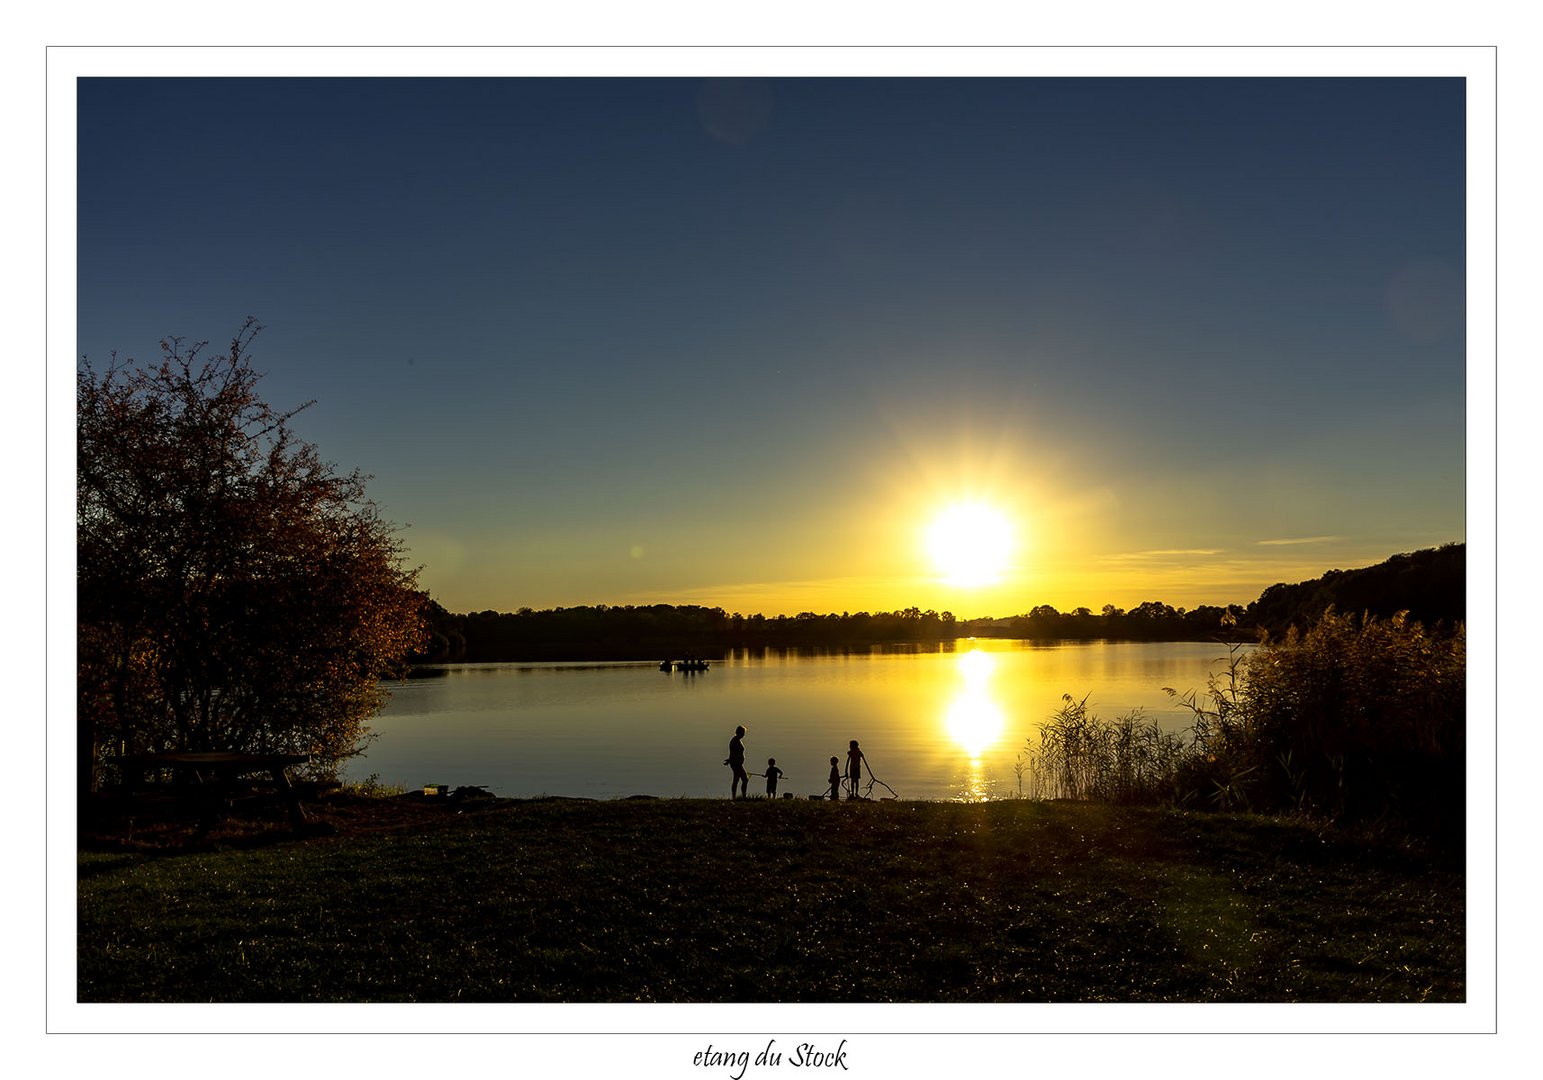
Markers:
point(1361, 719)
point(1079, 756)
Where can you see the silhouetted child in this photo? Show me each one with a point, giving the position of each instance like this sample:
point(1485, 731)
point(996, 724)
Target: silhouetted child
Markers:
point(773, 774)
point(855, 761)
point(835, 779)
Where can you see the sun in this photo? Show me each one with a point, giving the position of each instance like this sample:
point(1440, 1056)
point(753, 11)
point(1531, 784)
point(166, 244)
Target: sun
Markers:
point(970, 543)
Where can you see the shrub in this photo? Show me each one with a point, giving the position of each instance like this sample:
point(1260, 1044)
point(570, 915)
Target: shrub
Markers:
point(1358, 720)
point(1370, 712)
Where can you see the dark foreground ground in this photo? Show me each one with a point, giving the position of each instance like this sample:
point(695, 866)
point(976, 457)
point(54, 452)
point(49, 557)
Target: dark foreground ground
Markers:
point(414, 899)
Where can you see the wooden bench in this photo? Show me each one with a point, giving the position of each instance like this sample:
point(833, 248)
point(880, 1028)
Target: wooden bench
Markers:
point(209, 775)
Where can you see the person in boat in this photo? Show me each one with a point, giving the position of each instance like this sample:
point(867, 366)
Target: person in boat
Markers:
point(772, 774)
point(739, 786)
point(835, 779)
point(855, 761)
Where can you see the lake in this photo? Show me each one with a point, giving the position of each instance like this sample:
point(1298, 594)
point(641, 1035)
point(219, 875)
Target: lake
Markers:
point(936, 721)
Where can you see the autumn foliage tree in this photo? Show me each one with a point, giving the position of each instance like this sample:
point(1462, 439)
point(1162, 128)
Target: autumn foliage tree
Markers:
point(235, 591)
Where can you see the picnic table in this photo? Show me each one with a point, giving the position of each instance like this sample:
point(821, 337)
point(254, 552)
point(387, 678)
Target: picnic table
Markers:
point(209, 775)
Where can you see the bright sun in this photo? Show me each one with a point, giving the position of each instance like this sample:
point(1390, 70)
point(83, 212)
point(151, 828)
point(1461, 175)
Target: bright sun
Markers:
point(970, 543)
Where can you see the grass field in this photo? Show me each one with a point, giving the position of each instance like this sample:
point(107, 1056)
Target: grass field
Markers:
point(711, 900)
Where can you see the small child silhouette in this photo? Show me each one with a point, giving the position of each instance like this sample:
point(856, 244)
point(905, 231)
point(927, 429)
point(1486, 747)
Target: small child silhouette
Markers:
point(772, 775)
point(835, 779)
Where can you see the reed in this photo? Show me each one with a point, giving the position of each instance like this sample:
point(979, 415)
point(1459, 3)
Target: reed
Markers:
point(1124, 761)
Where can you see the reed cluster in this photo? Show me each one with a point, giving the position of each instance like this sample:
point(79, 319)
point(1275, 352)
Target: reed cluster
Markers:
point(1128, 760)
point(1357, 720)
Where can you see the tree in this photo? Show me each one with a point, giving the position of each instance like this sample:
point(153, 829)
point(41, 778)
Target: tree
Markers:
point(235, 591)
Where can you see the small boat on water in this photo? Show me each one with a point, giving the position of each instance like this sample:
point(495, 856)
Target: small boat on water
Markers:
point(683, 665)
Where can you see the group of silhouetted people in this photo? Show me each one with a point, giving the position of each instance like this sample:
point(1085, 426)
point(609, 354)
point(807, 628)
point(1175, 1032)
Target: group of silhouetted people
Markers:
point(739, 786)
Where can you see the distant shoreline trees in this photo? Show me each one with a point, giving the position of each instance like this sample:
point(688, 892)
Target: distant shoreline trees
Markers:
point(1428, 585)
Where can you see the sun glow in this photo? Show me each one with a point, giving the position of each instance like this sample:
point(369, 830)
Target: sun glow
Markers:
point(970, 544)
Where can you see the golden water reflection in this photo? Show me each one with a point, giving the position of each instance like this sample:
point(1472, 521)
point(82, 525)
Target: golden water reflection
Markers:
point(975, 721)
point(976, 786)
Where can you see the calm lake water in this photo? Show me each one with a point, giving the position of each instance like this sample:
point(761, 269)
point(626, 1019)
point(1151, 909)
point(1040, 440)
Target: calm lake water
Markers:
point(936, 722)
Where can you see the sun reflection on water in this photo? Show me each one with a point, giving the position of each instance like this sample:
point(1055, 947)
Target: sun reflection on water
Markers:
point(974, 785)
point(974, 720)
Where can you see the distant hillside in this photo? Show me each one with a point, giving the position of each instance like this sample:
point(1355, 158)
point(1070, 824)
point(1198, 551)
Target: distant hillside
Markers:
point(1430, 584)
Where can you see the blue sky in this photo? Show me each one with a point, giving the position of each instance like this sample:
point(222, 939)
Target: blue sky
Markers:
point(634, 340)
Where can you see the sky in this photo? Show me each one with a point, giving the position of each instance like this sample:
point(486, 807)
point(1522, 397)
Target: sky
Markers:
point(738, 342)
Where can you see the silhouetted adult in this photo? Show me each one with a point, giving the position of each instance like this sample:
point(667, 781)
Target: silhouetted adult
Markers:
point(739, 787)
point(855, 761)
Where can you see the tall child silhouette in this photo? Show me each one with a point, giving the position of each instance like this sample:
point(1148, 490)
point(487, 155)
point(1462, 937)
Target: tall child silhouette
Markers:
point(855, 761)
point(739, 786)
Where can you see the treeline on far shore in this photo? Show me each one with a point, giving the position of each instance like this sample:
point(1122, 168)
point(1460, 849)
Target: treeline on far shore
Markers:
point(1428, 584)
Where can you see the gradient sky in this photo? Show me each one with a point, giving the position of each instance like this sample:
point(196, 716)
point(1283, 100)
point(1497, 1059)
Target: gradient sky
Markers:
point(673, 340)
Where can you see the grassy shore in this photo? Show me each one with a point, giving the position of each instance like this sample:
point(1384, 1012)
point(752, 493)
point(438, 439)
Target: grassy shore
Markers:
point(711, 900)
